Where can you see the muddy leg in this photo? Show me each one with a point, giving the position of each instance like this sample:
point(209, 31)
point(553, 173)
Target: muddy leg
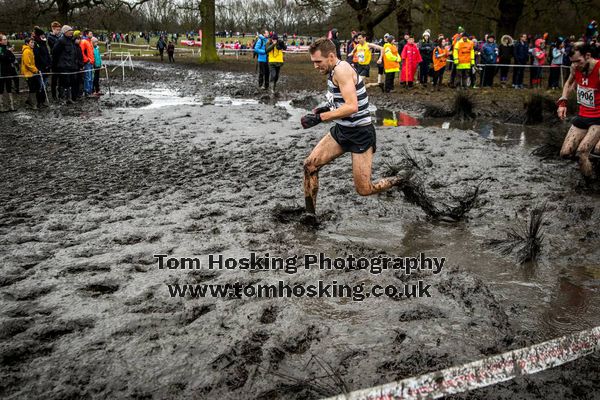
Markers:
point(583, 151)
point(326, 151)
point(361, 171)
point(571, 142)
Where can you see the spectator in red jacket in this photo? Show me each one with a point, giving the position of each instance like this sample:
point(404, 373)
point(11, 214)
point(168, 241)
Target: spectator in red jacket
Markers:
point(411, 57)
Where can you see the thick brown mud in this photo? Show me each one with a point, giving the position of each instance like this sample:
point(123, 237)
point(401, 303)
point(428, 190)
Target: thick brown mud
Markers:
point(91, 193)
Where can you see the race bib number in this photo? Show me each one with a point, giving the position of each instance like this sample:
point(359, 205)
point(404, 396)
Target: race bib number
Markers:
point(585, 96)
point(330, 102)
point(361, 56)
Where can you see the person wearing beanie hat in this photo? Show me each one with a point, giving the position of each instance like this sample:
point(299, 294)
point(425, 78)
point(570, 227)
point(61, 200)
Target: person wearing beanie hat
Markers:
point(391, 63)
point(489, 56)
point(7, 60)
point(455, 38)
point(426, 49)
point(464, 58)
point(64, 60)
point(43, 62)
point(65, 29)
point(539, 58)
point(275, 48)
point(76, 33)
point(37, 31)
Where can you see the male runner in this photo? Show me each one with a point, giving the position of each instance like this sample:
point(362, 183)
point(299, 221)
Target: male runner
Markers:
point(584, 136)
point(363, 55)
point(353, 131)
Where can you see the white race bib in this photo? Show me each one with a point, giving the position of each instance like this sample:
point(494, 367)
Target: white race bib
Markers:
point(585, 96)
point(330, 102)
point(361, 56)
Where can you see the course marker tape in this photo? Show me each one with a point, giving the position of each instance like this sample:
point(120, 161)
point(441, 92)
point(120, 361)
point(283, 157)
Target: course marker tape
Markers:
point(489, 371)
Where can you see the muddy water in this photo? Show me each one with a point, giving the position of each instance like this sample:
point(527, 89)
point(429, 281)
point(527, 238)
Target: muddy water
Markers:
point(507, 134)
point(90, 195)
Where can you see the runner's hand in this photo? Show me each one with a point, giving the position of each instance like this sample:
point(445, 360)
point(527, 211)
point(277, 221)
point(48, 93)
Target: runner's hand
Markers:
point(320, 110)
point(562, 108)
point(310, 120)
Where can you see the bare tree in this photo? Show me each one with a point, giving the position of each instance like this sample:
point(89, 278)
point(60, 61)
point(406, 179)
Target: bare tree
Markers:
point(65, 8)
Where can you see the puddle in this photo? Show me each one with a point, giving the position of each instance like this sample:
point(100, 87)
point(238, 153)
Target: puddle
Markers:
point(228, 101)
point(162, 97)
point(501, 133)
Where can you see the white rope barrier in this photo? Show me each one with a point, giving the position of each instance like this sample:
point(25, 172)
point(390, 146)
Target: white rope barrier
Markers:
point(52, 73)
point(489, 371)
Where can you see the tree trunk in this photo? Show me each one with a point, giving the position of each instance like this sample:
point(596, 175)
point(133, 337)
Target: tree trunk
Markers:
point(64, 9)
point(404, 19)
point(510, 12)
point(367, 21)
point(208, 53)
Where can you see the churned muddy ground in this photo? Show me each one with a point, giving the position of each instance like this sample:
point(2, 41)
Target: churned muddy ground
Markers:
point(190, 162)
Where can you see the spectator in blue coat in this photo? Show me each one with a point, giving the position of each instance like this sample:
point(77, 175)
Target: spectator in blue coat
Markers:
point(260, 48)
point(97, 66)
point(489, 56)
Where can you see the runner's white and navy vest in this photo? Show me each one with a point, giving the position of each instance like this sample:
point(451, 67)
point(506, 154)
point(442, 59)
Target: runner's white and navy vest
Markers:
point(335, 100)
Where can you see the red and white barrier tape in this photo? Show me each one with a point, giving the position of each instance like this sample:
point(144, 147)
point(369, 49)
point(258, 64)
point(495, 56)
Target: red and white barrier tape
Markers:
point(489, 371)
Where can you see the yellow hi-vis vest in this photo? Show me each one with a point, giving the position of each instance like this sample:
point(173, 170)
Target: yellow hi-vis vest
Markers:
point(391, 58)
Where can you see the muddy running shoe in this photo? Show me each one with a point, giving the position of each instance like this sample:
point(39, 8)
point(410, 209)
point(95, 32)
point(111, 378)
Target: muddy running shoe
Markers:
point(309, 219)
point(401, 178)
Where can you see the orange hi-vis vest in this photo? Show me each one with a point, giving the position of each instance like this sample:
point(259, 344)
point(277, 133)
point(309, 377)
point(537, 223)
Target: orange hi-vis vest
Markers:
point(440, 55)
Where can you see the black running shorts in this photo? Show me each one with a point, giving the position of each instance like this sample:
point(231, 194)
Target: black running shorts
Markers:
point(355, 140)
point(363, 70)
point(584, 122)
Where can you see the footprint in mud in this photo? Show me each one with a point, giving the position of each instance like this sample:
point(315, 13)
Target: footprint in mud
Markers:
point(235, 362)
point(421, 313)
point(83, 268)
point(13, 326)
point(99, 289)
point(155, 309)
point(300, 343)
point(139, 258)
point(201, 276)
point(129, 239)
point(19, 352)
point(269, 315)
point(296, 214)
point(7, 280)
point(52, 332)
point(29, 294)
point(192, 314)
